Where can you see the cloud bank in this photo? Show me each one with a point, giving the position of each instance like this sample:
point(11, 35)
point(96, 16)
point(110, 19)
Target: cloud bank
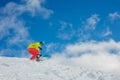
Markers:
point(103, 56)
point(114, 16)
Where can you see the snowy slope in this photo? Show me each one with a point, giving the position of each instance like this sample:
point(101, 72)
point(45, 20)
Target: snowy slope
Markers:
point(24, 69)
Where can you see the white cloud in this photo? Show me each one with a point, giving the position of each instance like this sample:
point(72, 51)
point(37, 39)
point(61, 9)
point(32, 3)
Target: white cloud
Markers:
point(12, 9)
point(92, 22)
point(92, 47)
point(107, 32)
point(34, 7)
point(14, 34)
point(114, 16)
point(104, 62)
point(87, 28)
point(66, 35)
point(63, 25)
point(66, 31)
point(104, 56)
point(51, 47)
point(14, 30)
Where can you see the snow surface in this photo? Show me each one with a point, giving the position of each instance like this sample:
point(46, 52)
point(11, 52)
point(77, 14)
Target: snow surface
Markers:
point(24, 69)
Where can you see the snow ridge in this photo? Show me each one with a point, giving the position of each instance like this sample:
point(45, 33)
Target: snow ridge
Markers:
point(24, 69)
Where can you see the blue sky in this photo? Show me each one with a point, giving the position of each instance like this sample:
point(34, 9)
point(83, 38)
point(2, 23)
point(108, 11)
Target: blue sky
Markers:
point(56, 22)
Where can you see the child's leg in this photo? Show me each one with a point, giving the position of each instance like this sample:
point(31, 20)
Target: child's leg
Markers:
point(37, 56)
point(33, 53)
point(33, 57)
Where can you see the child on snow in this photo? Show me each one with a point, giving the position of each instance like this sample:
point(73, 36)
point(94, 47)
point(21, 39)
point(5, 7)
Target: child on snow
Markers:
point(34, 50)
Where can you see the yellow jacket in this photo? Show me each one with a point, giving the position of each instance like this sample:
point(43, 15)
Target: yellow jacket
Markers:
point(35, 45)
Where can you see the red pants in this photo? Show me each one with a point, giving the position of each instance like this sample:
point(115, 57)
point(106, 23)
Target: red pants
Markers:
point(33, 52)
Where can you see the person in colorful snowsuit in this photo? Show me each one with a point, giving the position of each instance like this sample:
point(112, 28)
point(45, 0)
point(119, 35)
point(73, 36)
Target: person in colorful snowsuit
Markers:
point(34, 49)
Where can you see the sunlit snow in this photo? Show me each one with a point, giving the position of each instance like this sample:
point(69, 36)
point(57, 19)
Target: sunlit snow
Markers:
point(52, 69)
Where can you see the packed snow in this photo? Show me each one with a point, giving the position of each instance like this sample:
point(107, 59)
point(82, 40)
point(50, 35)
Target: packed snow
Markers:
point(51, 69)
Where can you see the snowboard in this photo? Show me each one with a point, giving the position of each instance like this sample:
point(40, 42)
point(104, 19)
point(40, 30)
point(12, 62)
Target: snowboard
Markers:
point(38, 58)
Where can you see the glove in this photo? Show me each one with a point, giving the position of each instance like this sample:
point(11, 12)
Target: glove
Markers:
point(40, 48)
